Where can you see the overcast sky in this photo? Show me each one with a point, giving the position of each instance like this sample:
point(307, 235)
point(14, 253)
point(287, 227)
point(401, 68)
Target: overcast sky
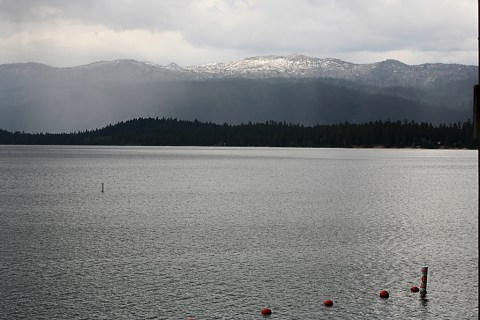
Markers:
point(188, 32)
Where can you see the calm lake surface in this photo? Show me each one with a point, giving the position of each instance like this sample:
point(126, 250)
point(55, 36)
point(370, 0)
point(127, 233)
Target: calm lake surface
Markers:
point(220, 233)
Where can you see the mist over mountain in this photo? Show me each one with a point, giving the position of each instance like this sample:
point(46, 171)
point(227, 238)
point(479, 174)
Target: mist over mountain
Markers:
point(296, 88)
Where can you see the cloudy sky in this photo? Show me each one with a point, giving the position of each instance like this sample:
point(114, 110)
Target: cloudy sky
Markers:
point(188, 32)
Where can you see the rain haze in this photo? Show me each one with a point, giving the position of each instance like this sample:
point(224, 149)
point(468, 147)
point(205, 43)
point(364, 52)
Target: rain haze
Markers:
point(189, 32)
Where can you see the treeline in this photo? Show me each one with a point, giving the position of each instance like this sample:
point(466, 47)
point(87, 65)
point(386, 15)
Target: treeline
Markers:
point(174, 132)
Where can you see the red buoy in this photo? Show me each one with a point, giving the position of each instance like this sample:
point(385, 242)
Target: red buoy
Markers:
point(414, 289)
point(266, 311)
point(384, 294)
point(328, 303)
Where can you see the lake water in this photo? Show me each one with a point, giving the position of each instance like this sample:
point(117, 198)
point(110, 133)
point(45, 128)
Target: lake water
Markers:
point(220, 233)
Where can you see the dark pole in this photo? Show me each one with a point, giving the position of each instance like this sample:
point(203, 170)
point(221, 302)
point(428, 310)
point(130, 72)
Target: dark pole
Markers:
point(476, 115)
point(476, 124)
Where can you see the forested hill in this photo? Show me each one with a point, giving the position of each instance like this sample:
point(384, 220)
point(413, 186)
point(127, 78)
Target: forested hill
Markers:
point(173, 132)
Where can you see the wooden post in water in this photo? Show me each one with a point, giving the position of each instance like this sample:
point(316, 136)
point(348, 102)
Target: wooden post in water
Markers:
point(102, 187)
point(423, 286)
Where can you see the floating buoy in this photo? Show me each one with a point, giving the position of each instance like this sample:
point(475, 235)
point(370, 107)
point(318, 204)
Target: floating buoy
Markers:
point(384, 294)
point(266, 311)
point(328, 303)
point(414, 289)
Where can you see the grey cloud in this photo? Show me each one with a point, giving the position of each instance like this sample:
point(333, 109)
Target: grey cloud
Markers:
point(129, 14)
point(27, 10)
point(334, 25)
point(272, 26)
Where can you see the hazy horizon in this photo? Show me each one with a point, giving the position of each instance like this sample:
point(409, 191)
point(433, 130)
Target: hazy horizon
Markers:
point(220, 62)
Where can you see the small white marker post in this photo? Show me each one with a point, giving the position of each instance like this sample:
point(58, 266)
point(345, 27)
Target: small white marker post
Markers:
point(423, 286)
point(102, 187)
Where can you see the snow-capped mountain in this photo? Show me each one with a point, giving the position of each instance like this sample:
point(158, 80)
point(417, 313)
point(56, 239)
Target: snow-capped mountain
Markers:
point(277, 66)
point(294, 88)
point(389, 72)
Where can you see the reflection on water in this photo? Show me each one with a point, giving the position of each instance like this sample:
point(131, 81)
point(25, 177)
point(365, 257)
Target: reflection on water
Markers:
point(220, 233)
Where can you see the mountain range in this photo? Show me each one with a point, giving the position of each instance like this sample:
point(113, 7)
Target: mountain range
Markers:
point(295, 88)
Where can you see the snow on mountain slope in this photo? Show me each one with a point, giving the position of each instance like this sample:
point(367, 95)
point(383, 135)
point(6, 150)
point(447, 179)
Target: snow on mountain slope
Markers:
point(270, 66)
point(389, 72)
point(385, 73)
point(36, 97)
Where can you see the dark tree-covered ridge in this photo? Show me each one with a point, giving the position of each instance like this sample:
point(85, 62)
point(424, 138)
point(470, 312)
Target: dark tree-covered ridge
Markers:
point(174, 132)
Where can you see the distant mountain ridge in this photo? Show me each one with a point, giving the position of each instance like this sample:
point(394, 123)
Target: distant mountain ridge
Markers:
point(293, 88)
point(388, 72)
